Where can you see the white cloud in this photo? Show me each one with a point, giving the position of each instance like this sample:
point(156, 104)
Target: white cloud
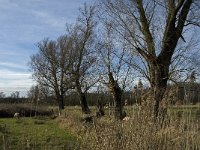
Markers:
point(7, 74)
point(11, 81)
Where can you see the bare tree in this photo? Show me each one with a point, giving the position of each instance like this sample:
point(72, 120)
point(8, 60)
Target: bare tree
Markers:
point(82, 54)
point(48, 68)
point(15, 95)
point(154, 29)
point(68, 62)
point(114, 70)
point(38, 92)
point(33, 94)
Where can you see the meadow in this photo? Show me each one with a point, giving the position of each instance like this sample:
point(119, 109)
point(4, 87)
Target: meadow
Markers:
point(179, 130)
point(36, 132)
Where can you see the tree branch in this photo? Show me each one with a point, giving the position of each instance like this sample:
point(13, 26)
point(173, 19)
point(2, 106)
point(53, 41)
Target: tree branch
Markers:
point(145, 28)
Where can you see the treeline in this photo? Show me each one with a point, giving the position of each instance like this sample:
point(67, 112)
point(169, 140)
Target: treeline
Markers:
point(13, 100)
point(179, 93)
point(73, 99)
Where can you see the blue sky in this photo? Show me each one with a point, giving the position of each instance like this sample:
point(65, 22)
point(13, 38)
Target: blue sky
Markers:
point(23, 23)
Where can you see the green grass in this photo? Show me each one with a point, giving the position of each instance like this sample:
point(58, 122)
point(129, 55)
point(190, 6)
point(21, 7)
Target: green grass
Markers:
point(30, 133)
point(45, 133)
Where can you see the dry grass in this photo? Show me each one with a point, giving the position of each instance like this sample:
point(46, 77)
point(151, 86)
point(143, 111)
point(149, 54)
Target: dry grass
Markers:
point(179, 131)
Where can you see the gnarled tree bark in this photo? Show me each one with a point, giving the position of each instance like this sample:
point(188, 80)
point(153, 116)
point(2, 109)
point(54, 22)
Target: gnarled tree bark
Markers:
point(117, 96)
point(82, 97)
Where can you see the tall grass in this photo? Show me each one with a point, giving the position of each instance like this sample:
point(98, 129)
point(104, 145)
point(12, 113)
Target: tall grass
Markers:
point(180, 130)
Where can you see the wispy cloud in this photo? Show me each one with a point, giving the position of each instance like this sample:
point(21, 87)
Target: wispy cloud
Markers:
point(11, 65)
point(15, 81)
point(6, 52)
point(50, 20)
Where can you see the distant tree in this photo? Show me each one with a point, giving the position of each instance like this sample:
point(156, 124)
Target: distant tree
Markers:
point(48, 67)
point(2, 95)
point(33, 94)
point(15, 95)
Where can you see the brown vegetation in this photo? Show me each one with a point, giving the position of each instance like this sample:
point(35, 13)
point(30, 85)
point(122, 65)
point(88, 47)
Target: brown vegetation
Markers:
point(25, 110)
point(139, 132)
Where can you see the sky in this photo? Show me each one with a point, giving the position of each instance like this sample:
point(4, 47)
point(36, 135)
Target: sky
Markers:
point(24, 23)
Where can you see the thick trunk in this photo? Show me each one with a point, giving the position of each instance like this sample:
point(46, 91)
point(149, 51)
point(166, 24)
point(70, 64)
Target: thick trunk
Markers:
point(158, 86)
point(82, 97)
point(61, 102)
point(119, 115)
point(158, 97)
point(84, 104)
point(100, 109)
point(117, 96)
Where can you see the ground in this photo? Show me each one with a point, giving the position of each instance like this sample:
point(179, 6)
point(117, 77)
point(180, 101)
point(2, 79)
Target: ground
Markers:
point(38, 133)
point(179, 130)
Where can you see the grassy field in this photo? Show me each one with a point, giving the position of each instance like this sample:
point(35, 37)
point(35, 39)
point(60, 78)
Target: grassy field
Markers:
point(180, 130)
point(34, 133)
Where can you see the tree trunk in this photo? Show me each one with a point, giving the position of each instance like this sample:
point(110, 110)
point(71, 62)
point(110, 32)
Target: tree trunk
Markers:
point(83, 101)
point(117, 96)
point(119, 115)
point(61, 102)
point(100, 108)
point(158, 97)
point(158, 85)
point(84, 104)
